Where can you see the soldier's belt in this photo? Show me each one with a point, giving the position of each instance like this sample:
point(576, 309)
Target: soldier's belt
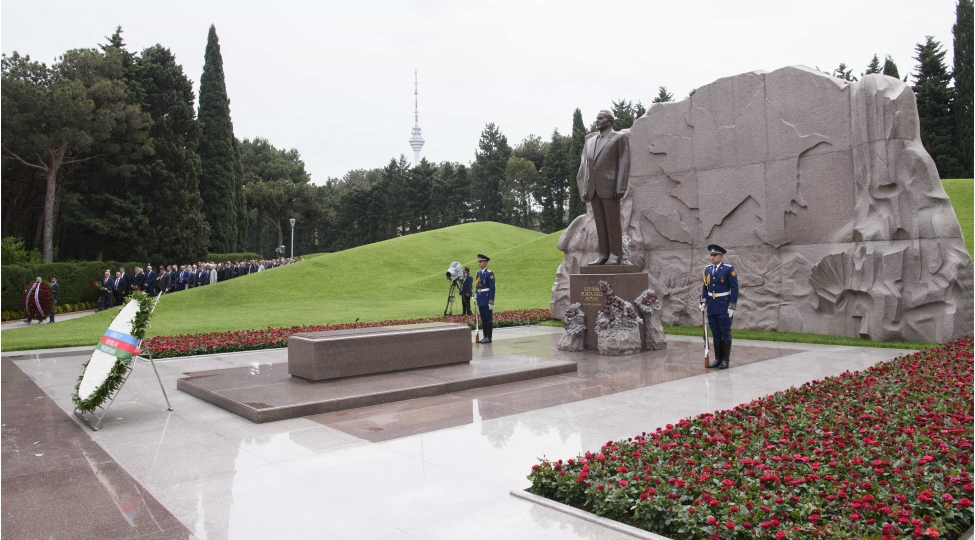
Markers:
point(484, 290)
point(719, 294)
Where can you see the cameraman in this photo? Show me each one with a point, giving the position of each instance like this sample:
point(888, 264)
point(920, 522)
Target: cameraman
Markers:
point(465, 290)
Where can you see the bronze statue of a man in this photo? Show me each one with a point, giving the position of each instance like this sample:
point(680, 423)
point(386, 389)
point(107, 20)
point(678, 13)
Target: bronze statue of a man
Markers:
point(603, 176)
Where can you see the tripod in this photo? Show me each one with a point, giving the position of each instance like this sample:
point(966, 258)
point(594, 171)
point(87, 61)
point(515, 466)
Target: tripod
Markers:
point(451, 294)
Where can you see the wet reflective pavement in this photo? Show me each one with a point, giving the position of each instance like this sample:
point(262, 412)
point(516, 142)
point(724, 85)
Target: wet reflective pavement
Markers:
point(432, 468)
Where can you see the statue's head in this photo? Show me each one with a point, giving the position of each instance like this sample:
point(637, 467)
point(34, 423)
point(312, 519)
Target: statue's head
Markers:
point(604, 120)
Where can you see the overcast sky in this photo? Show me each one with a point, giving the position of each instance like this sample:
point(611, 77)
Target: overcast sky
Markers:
point(335, 79)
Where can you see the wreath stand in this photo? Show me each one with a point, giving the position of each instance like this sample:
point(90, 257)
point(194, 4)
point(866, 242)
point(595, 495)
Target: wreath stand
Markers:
point(147, 358)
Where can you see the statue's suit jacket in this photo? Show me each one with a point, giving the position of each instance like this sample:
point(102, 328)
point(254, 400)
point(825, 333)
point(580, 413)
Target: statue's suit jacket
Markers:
point(605, 165)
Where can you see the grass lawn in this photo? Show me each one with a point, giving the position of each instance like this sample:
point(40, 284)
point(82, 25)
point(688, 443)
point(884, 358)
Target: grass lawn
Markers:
point(961, 194)
point(400, 278)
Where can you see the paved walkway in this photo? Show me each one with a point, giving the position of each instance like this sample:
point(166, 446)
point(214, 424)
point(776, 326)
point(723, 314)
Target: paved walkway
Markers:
point(223, 477)
point(19, 323)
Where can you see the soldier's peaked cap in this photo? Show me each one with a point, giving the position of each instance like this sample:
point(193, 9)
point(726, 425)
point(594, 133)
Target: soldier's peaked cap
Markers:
point(715, 249)
point(481, 257)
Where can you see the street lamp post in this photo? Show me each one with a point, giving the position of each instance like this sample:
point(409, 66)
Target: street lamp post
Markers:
point(292, 238)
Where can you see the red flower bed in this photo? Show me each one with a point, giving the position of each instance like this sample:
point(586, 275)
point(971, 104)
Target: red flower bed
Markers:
point(882, 453)
point(270, 338)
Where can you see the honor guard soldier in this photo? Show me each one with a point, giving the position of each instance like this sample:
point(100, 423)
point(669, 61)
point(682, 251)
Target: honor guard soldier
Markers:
point(719, 299)
point(484, 287)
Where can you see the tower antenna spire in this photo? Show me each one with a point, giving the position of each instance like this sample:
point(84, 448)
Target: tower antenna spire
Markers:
point(416, 141)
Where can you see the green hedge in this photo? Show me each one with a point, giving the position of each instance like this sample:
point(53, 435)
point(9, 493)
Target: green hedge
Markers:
point(232, 257)
point(74, 278)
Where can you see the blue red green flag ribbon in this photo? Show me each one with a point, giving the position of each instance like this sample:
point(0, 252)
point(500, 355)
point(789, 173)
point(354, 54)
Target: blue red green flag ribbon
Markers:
point(118, 344)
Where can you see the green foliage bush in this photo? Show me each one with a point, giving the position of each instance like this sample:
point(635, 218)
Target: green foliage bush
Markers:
point(232, 257)
point(75, 279)
point(12, 251)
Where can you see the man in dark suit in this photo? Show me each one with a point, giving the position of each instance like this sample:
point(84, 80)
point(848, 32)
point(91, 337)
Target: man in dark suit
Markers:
point(603, 178)
point(118, 294)
point(105, 297)
point(126, 283)
point(151, 281)
point(55, 291)
point(466, 285)
point(139, 279)
point(166, 280)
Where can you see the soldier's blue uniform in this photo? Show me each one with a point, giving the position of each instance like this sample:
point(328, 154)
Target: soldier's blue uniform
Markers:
point(484, 284)
point(720, 294)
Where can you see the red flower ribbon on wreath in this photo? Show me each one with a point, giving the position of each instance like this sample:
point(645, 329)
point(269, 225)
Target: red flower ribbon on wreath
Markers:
point(38, 300)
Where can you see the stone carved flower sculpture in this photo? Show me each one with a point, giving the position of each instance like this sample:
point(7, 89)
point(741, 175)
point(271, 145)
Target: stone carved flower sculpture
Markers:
point(575, 319)
point(648, 302)
point(617, 325)
point(575, 329)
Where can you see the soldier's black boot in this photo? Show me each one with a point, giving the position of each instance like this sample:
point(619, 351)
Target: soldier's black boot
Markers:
point(726, 350)
point(488, 332)
point(717, 354)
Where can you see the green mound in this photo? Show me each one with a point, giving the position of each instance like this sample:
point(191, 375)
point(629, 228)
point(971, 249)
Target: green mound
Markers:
point(962, 200)
point(400, 278)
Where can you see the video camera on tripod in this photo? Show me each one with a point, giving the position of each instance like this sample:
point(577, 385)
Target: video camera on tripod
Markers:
point(454, 273)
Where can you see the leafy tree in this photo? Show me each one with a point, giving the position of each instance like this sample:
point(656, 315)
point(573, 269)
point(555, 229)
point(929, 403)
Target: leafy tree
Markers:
point(963, 106)
point(220, 182)
point(53, 117)
point(663, 96)
point(842, 72)
point(576, 206)
point(487, 172)
point(108, 211)
point(177, 226)
point(873, 67)
point(625, 113)
point(532, 148)
point(890, 68)
point(520, 182)
point(276, 186)
point(934, 106)
point(557, 176)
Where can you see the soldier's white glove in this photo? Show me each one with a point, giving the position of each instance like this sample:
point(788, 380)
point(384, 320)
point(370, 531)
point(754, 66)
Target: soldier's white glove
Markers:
point(491, 305)
point(731, 313)
point(703, 306)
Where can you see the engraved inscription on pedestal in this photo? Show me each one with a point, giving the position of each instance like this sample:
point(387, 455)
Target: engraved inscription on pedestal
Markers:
point(584, 289)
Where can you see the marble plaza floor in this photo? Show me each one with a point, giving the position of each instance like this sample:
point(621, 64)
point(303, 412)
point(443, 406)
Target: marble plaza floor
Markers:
point(432, 468)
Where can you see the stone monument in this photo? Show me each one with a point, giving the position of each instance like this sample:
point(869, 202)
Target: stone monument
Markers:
point(648, 304)
point(617, 325)
point(832, 211)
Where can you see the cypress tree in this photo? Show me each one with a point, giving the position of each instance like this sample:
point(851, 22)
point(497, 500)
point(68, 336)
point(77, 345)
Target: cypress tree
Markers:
point(576, 206)
point(963, 107)
point(934, 106)
point(890, 68)
point(178, 230)
point(220, 184)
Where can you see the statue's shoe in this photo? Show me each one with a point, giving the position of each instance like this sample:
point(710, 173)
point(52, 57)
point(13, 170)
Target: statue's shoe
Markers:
point(601, 260)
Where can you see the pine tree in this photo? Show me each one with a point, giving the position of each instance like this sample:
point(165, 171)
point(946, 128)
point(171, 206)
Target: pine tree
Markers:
point(576, 206)
point(873, 67)
point(663, 96)
point(490, 163)
point(220, 183)
point(890, 68)
point(554, 186)
point(934, 106)
point(178, 230)
point(963, 106)
point(842, 72)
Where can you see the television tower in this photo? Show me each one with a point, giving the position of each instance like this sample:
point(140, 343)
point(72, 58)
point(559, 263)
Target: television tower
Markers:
point(416, 141)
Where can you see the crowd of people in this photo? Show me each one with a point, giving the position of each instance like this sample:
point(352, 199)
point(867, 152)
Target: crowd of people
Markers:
point(172, 278)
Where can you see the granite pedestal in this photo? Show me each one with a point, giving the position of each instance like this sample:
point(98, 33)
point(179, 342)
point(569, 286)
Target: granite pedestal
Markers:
point(335, 354)
point(626, 280)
